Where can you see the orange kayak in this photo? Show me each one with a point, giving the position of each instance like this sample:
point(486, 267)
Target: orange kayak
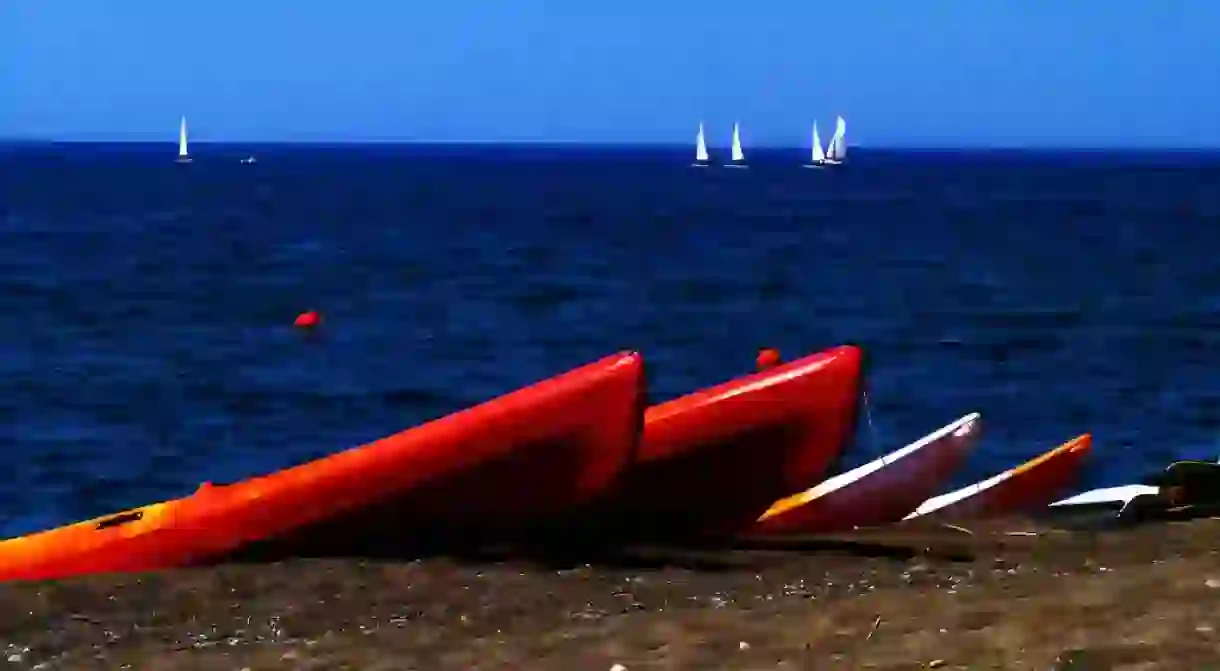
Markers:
point(503, 464)
point(879, 492)
point(712, 461)
point(1033, 485)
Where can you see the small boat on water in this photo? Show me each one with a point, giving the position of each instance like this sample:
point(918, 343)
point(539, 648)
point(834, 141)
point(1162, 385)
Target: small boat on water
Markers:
point(880, 492)
point(701, 156)
point(712, 461)
point(249, 160)
point(817, 157)
point(1022, 489)
point(184, 155)
point(737, 156)
point(836, 151)
point(507, 464)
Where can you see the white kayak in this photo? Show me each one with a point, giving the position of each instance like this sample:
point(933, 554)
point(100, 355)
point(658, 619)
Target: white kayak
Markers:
point(1107, 497)
point(1124, 502)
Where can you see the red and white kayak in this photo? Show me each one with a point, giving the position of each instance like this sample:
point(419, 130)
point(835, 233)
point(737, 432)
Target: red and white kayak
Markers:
point(879, 492)
point(1032, 485)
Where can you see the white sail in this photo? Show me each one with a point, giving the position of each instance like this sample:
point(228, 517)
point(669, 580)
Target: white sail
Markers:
point(837, 150)
point(818, 155)
point(841, 131)
point(182, 150)
point(738, 156)
point(700, 146)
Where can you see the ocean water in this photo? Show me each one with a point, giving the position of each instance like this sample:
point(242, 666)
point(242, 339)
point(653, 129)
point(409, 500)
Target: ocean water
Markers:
point(146, 308)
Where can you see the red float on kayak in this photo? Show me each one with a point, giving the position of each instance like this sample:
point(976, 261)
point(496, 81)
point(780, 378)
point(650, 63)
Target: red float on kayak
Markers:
point(500, 465)
point(711, 462)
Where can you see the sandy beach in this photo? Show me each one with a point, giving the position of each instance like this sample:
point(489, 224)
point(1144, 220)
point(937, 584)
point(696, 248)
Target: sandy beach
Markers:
point(1005, 594)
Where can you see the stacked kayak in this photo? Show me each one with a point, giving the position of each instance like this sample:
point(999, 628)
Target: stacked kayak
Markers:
point(899, 486)
point(563, 455)
point(581, 454)
point(501, 465)
point(1024, 489)
point(879, 492)
point(711, 462)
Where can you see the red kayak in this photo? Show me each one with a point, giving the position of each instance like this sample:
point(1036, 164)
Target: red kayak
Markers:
point(1031, 486)
point(711, 462)
point(501, 465)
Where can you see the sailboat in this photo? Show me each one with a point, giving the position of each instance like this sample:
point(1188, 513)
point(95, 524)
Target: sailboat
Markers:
point(739, 158)
point(183, 155)
point(818, 158)
point(836, 151)
point(701, 158)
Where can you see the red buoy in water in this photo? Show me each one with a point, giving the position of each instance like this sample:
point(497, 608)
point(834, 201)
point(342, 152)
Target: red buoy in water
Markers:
point(768, 357)
point(307, 320)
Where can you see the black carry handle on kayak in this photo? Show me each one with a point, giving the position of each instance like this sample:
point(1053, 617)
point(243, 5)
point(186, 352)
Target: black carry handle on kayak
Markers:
point(120, 519)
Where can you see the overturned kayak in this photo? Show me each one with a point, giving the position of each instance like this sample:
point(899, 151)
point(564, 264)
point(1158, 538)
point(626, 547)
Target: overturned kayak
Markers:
point(1107, 506)
point(1183, 490)
point(712, 461)
point(1032, 485)
point(880, 492)
point(506, 463)
point(1184, 482)
point(1110, 499)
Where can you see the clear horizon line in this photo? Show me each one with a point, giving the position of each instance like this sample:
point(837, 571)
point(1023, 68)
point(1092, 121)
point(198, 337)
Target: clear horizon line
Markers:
point(573, 144)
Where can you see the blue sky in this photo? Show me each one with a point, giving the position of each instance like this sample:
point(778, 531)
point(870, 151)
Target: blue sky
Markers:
point(926, 72)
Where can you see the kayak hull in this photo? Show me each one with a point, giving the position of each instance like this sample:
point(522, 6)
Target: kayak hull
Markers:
point(712, 461)
point(461, 472)
point(1033, 485)
point(1183, 490)
point(880, 492)
point(1107, 498)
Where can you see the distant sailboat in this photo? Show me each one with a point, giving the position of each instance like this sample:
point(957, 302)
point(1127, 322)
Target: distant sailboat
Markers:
point(836, 151)
point(818, 157)
point(701, 158)
point(183, 155)
point(739, 158)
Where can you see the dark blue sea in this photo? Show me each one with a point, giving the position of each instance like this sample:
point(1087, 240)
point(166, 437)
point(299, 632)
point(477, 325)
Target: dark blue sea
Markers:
point(146, 308)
